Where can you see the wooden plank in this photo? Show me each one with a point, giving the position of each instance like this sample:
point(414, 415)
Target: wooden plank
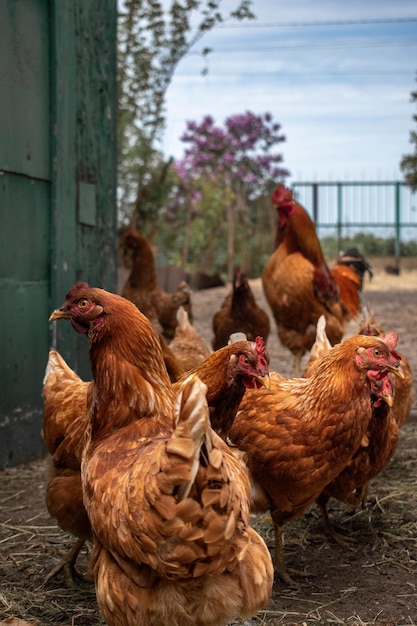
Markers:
point(24, 84)
point(25, 228)
point(84, 177)
point(63, 193)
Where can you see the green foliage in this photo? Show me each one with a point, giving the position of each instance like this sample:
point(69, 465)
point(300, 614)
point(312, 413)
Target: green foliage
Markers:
point(235, 162)
point(408, 163)
point(151, 43)
point(199, 241)
point(368, 245)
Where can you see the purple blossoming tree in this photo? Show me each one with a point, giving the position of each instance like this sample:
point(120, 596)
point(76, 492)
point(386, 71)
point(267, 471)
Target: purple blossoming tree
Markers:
point(239, 157)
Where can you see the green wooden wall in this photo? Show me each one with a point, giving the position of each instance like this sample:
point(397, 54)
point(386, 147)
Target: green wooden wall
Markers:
point(57, 192)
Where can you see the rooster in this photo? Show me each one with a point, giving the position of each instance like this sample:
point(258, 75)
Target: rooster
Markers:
point(239, 312)
point(299, 286)
point(298, 436)
point(143, 290)
point(168, 503)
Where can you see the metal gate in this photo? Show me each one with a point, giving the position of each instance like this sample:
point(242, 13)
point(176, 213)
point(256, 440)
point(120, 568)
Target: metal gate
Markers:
point(385, 208)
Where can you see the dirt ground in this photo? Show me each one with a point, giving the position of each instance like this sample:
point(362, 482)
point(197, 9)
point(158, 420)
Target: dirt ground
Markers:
point(370, 580)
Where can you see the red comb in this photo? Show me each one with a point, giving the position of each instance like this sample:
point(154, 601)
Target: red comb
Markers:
point(391, 340)
point(261, 351)
point(80, 286)
point(281, 195)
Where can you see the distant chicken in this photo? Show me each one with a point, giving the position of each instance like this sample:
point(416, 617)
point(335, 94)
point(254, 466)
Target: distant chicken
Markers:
point(299, 286)
point(143, 290)
point(188, 347)
point(168, 503)
point(298, 436)
point(239, 313)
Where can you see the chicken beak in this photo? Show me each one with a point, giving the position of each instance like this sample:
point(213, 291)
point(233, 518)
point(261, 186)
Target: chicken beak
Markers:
point(264, 381)
point(398, 372)
point(58, 314)
point(388, 399)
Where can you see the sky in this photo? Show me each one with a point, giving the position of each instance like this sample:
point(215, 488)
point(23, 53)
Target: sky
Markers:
point(336, 76)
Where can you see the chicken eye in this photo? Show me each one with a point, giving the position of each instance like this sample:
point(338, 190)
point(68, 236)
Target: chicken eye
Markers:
point(83, 304)
point(377, 352)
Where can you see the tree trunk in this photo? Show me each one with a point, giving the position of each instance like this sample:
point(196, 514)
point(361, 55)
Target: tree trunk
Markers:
point(231, 215)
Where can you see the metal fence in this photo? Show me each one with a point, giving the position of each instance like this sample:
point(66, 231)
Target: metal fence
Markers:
point(343, 209)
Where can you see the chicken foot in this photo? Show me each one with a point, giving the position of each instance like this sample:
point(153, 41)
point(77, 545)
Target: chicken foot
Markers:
point(67, 564)
point(358, 498)
point(279, 560)
point(337, 537)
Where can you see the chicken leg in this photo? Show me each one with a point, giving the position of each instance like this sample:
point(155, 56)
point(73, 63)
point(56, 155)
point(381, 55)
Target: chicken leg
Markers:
point(68, 564)
point(279, 560)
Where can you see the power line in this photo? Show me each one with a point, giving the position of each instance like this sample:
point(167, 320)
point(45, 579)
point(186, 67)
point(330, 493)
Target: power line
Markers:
point(341, 73)
point(397, 20)
point(310, 46)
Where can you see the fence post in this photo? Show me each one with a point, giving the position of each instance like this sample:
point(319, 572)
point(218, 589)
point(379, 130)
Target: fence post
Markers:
point(397, 226)
point(315, 191)
point(339, 215)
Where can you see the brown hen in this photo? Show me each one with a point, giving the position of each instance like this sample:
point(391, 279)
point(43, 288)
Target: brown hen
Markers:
point(64, 414)
point(239, 312)
point(188, 347)
point(64, 407)
point(299, 286)
point(142, 288)
point(298, 436)
point(168, 503)
point(403, 388)
point(377, 447)
point(227, 373)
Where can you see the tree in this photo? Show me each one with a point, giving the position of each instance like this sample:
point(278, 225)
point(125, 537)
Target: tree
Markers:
point(408, 163)
point(152, 41)
point(238, 160)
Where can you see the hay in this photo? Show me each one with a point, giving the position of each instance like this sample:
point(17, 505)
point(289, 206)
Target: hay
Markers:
point(370, 581)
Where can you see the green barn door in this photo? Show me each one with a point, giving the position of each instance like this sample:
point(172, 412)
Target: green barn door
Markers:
point(83, 62)
point(57, 193)
point(24, 222)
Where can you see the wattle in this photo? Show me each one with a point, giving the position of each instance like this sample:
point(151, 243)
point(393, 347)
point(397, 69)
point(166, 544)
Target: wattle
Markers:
point(80, 328)
point(251, 383)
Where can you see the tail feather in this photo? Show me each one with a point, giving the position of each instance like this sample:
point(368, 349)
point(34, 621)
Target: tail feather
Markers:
point(320, 347)
point(192, 435)
point(182, 319)
point(182, 507)
point(354, 259)
point(56, 365)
